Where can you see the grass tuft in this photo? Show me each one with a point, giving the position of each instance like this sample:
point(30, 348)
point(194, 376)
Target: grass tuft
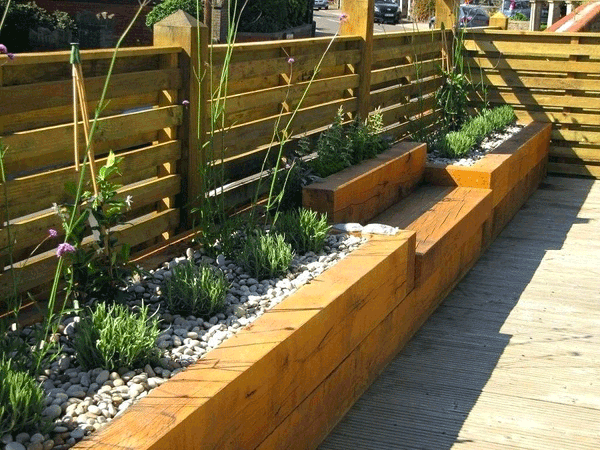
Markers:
point(266, 255)
point(305, 230)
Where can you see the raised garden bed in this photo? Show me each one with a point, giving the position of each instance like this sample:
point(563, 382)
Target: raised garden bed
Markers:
point(256, 386)
point(359, 193)
point(512, 171)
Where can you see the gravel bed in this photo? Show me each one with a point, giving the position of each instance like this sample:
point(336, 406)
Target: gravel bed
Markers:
point(80, 402)
point(487, 145)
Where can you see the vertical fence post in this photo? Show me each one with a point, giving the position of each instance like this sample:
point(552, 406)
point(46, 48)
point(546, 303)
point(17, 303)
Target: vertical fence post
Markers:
point(499, 20)
point(445, 13)
point(182, 30)
point(360, 23)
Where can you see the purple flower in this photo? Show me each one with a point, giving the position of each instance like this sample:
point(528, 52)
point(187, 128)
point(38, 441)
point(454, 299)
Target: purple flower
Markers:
point(343, 17)
point(291, 61)
point(52, 232)
point(185, 103)
point(3, 49)
point(63, 249)
point(11, 56)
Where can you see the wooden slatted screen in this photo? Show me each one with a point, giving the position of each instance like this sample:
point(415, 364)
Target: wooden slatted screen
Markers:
point(549, 77)
point(36, 125)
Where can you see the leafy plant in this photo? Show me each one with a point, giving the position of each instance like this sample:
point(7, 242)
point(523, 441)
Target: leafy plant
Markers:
point(168, 7)
point(100, 269)
point(519, 16)
point(266, 255)
point(21, 401)
point(197, 290)
point(459, 143)
point(364, 138)
point(453, 96)
point(332, 149)
point(304, 229)
point(113, 336)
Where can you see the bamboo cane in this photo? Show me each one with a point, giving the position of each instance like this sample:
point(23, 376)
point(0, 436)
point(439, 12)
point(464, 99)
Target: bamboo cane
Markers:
point(75, 119)
point(76, 61)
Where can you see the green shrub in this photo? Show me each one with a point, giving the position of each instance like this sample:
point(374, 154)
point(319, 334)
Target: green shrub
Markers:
point(22, 401)
point(267, 16)
point(332, 149)
point(305, 230)
point(457, 144)
point(266, 255)
point(113, 337)
point(196, 290)
point(168, 7)
point(339, 147)
point(519, 16)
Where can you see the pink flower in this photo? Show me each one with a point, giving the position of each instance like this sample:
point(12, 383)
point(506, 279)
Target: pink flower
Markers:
point(52, 232)
point(63, 249)
point(291, 61)
point(3, 49)
point(11, 56)
point(343, 17)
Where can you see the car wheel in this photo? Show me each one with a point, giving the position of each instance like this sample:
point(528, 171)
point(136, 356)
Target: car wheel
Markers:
point(327, 7)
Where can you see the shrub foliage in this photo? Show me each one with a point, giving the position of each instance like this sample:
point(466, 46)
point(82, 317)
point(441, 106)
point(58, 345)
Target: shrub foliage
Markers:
point(305, 230)
point(266, 255)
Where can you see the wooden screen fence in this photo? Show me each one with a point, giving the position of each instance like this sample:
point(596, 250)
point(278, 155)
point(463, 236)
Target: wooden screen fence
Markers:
point(145, 123)
point(549, 77)
point(36, 124)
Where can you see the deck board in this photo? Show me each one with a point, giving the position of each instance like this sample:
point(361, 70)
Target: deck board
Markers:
point(511, 359)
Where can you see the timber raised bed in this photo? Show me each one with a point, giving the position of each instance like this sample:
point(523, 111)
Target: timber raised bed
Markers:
point(360, 192)
point(512, 171)
point(297, 368)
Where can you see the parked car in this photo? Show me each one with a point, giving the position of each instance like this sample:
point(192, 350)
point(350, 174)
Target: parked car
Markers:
point(469, 16)
point(387, 11)
point(473, 16)
point(321, 4)
point(520, 6)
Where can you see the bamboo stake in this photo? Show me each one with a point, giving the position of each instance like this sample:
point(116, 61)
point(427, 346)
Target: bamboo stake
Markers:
point(75, 122)
point(76, 62)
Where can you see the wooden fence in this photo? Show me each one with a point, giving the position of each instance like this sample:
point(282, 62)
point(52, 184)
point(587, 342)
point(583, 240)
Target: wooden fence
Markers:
point(145, 122)
point(138, 123)
point(549, 77)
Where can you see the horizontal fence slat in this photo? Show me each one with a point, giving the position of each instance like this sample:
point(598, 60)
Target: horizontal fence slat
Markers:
point(486, 45)
point(37, 192)
point(425, 69)
point(515, 80)
point(576, 152)
point(585, 170)
point(542, 64)
point(404, 51)
point(23, 98)
point(46, 117)
point(577, 135)
point(569, 118)
point(524, 97)
point(394, 94)
point(54, 145)
point(88, 55)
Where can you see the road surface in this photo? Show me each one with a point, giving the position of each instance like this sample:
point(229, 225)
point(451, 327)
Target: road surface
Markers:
point(328, 22)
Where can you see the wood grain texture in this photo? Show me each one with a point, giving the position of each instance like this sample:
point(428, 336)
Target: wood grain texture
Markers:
point(510, 360)
point(359, 193)
point(262, 374)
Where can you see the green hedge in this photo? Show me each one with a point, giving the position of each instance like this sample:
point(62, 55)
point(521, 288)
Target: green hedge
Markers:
point(268, 16)
point(168, 7)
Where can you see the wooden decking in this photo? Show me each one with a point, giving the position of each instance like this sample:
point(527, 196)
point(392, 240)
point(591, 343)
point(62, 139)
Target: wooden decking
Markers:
point(511, 360)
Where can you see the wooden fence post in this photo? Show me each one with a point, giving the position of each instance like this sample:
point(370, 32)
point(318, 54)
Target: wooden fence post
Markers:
point(182, 30)
point(499, 20)
point(445, 13)
point(360, 23)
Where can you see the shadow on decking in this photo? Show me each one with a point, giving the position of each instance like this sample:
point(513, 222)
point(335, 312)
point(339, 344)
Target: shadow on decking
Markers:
point(424, 396)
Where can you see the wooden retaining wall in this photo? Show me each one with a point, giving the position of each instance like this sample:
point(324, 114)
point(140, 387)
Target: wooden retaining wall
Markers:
point(547, 77)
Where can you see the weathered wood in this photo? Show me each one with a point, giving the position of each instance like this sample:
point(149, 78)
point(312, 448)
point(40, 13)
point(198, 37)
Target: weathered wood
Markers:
point(444, 218)
point(264, 372)
point(359, 193)
point(26, 97)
